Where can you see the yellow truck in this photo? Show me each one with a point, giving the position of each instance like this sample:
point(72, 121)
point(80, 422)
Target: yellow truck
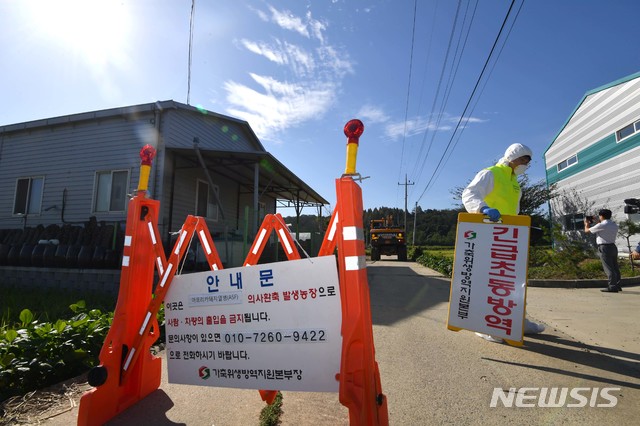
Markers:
point(388, 239)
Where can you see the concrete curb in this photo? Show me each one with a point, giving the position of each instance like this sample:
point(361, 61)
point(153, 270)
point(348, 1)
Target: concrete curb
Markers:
point(626, 282)
point(600, 283)
point(581, 283)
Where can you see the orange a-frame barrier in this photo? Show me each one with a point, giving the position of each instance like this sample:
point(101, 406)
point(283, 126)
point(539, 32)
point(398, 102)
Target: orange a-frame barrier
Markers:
point(271, 222)
point(128, 372)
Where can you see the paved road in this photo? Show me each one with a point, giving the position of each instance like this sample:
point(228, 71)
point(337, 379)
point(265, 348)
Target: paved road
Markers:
point(432, 376)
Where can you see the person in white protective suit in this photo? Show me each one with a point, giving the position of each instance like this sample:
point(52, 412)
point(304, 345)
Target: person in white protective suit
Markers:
point(495, 191)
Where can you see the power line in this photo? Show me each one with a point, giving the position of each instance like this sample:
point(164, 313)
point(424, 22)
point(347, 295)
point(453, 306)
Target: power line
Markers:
point(426, 70)
point(435, 99)
point(484, 85)
point(427, 60)
point(406, 108)
point(469, 100)
point(456, 66)
point(452, 77)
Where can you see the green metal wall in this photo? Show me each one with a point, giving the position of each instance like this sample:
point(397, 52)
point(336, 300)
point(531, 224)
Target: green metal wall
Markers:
point(593, 155)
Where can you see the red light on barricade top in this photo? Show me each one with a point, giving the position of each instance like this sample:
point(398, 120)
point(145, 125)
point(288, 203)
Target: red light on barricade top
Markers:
point(353, 129)
point(146, 155)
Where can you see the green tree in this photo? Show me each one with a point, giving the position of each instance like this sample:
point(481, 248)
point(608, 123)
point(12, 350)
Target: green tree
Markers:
point(626, 230)
point(307, 223)
point(568, 210)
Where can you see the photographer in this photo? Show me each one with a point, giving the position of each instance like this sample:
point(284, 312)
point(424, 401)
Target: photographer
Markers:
point(606, 231)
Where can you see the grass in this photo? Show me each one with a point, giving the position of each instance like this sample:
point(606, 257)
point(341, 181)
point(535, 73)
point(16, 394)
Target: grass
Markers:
point(51, 305)
point(48, 305)
point(585, 269)
point(270, 415)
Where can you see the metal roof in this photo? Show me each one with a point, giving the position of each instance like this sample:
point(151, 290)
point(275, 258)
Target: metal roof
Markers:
point(587, 94)
point(274, 179)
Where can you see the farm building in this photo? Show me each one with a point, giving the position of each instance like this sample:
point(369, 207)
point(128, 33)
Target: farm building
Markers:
point(66, 181)
point(594, 161)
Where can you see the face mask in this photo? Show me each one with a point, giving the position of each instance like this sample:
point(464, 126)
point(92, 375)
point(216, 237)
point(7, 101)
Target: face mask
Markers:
point(520, 169)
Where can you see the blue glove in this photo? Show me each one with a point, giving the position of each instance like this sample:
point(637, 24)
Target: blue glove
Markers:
point(493, 214)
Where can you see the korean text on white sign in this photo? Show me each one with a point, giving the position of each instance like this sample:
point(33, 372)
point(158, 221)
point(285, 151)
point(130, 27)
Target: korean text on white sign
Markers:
point(270, 326)
point(488, 284)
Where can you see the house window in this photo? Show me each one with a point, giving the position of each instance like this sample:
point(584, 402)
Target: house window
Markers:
point(111, 191)
point(567, 163)
point(627, 131)
point(206, 205)
point(28, 196)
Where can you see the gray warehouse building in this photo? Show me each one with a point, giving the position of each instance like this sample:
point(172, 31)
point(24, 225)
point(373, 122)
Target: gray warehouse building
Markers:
point(595, 158)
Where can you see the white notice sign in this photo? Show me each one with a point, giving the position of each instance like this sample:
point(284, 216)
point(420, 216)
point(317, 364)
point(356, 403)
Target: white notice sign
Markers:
point(488, 284)
point(274, 326)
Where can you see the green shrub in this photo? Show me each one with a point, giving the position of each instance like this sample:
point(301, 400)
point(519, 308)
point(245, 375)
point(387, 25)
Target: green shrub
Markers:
point(34, 355)
point(414, 252)
point(270, 414)
point(49, 305)
point(574, 262)
point(437, 262)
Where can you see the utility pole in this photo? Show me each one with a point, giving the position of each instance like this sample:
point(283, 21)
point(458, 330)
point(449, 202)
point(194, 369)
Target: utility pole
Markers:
point(406, 184)
point(415, 220)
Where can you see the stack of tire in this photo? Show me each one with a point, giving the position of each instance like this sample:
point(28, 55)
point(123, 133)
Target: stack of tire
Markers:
point(96, 245)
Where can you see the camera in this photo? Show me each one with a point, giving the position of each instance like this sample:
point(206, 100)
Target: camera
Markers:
point(590, 219)
point(632, 206)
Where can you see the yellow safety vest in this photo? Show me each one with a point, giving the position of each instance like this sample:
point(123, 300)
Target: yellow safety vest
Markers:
point(505, 195)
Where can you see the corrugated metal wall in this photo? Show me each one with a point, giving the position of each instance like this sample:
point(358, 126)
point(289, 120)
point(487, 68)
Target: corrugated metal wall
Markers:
point(607, 171)
point(68, 156)
point(599, 116)
point(180, 127)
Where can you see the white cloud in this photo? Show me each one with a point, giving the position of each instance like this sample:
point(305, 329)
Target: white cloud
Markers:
point(372, 114)
point(300, 60)
point(316, 27)
point(334, 62)
point(474, 120)
point(408, 128)
point(307, 27)
point(277, 102)
point(283, 53)
point(263, 16)
point(265, 50)
point(279, 106)
point(420, 125)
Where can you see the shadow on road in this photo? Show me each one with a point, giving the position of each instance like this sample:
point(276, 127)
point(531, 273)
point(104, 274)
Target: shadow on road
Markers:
point(579, 353)
point(398, 292)
point(608, 351)
point(153, 409)
point(570, 373)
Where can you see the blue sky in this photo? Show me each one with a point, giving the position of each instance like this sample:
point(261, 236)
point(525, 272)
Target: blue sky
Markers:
point(297, 71)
